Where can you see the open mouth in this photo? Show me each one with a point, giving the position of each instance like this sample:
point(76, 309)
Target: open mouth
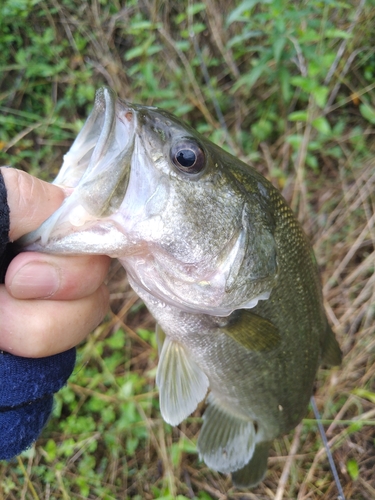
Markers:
point(96, 169)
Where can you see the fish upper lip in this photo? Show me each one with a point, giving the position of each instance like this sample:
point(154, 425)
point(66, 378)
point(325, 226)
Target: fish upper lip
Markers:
point(98, 136)
point(96, 169)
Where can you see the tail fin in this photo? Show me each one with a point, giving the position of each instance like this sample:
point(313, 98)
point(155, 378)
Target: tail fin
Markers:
point(254, 471)
point(331, 352)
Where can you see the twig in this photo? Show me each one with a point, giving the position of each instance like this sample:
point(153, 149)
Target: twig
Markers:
point(200, 102)
point(30, 486)
point(344, 43)
point(352, 251)
point(288, 463)
point(64, 493)
point(206, 77)
point(22, 134)
point(214, 492)
point(214, 18)
point(336, 88)
point(299, 198)
point(168, 467)
point(215, 102)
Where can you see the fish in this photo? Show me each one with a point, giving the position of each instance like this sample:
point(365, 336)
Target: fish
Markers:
point(221, 262)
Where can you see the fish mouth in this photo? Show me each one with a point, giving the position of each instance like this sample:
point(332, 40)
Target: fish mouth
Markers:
point(96, 171)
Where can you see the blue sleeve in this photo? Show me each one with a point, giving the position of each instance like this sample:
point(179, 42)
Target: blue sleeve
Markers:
point(26, 385)
point(26, 397)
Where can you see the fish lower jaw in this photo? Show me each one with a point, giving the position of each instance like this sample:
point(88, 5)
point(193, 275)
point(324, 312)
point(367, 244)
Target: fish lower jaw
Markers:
point(197, 298)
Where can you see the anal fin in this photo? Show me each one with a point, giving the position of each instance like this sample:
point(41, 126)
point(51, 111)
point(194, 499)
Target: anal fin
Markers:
point(226, 441)
point(182, 384)
point(254, 471)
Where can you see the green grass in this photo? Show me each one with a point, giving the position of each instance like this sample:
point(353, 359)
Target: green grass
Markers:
point(294, 81)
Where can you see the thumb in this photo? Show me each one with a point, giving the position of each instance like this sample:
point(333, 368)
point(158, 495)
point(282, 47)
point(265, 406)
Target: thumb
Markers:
point(31, 201)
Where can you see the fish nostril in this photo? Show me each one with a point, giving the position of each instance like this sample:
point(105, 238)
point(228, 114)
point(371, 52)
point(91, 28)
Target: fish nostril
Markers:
point(129, 116)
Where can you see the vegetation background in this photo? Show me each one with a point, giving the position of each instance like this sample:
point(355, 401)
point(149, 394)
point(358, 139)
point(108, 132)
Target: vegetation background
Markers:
point(287, 86)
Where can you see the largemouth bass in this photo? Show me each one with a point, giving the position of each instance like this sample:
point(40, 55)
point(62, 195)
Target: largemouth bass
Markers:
point(221, 263)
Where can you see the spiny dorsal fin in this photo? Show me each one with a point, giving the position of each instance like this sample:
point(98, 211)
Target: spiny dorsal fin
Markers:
point(255, 470)
point(226, 442)
point(331, 352)
point(182, 384)
point(253, 332)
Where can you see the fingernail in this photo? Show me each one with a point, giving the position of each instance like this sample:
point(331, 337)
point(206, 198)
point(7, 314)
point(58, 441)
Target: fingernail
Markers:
point(36, 280)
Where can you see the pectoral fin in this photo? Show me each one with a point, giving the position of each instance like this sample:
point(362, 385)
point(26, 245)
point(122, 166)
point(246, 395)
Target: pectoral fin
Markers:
point(252, 331)
point(160, 337)
point(182, 384)
point(226, 442)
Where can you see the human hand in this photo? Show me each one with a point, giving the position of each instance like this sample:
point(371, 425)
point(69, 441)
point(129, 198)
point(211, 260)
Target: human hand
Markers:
point(49, 303)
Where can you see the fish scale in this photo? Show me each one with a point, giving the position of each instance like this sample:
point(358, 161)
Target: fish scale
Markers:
point(221, 263)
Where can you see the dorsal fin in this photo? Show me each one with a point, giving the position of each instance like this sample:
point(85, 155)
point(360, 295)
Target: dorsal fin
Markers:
point(182, 384)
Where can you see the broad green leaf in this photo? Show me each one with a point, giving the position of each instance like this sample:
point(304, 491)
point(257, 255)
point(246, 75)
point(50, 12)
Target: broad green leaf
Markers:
point(367, 112)
point(322, 125)
point(312, 161)
point(251, 78)
point(320, 94)
point(294, 140)
point(308, 35)
point(336, 33)
point(352, 468)
point(243, 37)
point(298, 116)
point(195, 8)
point(202, 495)
point(237, 13)
point(305, 83)
point(50, 449)
point(183, 45)
point(140, 26)
point(262, 129)
point(134, 52)
point(278, 47)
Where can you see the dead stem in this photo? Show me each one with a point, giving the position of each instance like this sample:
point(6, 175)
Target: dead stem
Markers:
point(288, 464)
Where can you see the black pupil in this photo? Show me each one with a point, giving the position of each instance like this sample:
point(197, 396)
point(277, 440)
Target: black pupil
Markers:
point(186, 157)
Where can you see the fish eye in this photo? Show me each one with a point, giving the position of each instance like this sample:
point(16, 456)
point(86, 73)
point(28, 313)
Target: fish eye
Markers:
point(188, 157)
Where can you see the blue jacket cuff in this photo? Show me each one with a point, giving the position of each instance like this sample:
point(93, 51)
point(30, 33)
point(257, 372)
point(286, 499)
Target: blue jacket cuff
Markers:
point(24, 379)
point(26, 397)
